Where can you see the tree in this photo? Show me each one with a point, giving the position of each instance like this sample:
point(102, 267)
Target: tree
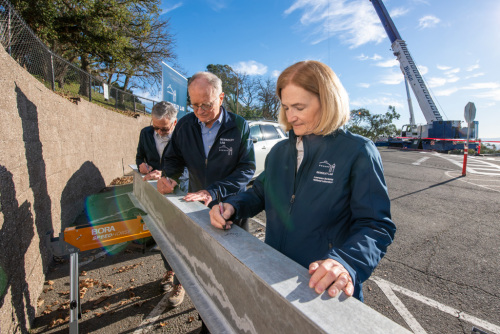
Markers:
point(373, 126)
point(269, 101)
point(122, 39)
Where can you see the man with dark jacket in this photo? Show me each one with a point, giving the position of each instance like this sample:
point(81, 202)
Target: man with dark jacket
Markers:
point(214, 145)
point(154, 138)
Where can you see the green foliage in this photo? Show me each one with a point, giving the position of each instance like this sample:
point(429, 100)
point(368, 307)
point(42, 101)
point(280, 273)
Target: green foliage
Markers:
point(121, 40)
point(373, 126)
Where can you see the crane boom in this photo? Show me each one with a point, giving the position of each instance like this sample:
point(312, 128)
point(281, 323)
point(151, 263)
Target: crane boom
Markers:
point(407, 65)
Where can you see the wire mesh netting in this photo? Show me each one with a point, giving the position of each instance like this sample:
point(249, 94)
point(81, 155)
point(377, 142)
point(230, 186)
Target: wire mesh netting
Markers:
point(57, 73)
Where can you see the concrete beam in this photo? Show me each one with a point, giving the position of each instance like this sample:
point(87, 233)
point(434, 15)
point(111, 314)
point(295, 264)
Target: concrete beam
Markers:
point(238, 283)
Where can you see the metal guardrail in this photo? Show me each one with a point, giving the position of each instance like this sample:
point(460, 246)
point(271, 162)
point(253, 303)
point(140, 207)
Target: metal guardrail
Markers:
point(240, 284)
point(57, 73)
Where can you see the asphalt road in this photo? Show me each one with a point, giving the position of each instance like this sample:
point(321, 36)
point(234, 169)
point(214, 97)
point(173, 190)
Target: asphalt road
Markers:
point(441, 274)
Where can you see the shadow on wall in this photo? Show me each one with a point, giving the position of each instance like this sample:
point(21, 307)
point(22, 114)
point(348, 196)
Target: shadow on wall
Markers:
point(84, 182)
point(15, 237)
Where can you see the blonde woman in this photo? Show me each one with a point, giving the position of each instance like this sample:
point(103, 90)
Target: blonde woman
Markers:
point(323, 189)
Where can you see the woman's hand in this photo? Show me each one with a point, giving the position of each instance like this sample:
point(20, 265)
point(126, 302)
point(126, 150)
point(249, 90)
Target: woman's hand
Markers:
point(330, 274)
point(219, 220)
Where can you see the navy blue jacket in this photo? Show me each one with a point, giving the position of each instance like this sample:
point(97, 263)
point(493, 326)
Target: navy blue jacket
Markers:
point(231, 160)
point(336, 205)
point(146, 150)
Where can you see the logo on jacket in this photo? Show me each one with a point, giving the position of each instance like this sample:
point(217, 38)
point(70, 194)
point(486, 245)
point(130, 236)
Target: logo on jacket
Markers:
point(324, 172)
point(224, 148)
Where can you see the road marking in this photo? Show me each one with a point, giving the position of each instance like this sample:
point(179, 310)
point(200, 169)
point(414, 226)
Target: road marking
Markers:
point(147, 324)
point(473, 165)
point(399, 306)
point(443, 308)
point(489, 187)
point(419, 161)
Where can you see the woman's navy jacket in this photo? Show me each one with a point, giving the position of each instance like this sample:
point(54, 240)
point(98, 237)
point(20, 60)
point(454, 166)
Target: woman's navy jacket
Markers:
point(336, 206)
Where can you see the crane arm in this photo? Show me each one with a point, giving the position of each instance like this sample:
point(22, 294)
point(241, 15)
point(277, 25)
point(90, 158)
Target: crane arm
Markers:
point(407, 65)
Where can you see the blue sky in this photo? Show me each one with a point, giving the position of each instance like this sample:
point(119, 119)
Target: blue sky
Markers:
point(455, 43)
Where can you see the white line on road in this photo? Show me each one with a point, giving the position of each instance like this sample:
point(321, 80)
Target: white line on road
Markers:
point(419, 161)
point(147, 324)
point(449, 173)
point(399, 306)
point(443, 308)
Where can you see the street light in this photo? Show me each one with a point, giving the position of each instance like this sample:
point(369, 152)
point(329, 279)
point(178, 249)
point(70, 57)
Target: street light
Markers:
point(237, 85)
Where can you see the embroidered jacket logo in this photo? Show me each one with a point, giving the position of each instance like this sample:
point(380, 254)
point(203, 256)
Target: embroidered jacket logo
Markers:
point(326, 164)
point(324, 173)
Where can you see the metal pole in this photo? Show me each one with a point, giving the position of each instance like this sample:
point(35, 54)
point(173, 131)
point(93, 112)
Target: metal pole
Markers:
point(90, 88)
point(466, 151)
point(52, 69)
point(74, 294)
point(9, 49)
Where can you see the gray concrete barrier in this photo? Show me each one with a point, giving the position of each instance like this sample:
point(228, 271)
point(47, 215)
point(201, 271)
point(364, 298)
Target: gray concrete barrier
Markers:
point(238, 283)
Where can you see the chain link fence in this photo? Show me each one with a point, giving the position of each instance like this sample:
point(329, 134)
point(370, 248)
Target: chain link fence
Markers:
point(57, 73)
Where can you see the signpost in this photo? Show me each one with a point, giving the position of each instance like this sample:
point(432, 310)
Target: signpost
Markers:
point(470, 115)
point(174, 89)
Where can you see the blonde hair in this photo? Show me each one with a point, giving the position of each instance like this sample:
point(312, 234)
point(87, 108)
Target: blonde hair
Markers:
point(319, 79)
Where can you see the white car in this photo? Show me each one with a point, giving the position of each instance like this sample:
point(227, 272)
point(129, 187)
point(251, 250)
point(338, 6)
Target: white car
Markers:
point(265, 134)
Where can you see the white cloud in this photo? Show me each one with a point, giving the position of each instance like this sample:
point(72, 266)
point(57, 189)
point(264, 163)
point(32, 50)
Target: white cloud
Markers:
point(250, 67)
point(394, 78)
point(374, 57)
point(483, 85)
point(472, 67)
point(436, 82)
point(364, 85)
point(475, 75)
point(354, 23)
point(398, 12)
point(492, 94)
point(275, 73)
point(218, 5)
point(428, 21)
point(169, 9)
point(452, 71)
point(382, 101)
point(443, 67)
point(388, 63)
point(423, 69)
point(446, 92)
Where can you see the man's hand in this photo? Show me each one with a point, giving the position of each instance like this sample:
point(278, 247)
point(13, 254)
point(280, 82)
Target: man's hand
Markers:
point(166, 185)
point(144, 168)
point(202, 195)
point(154, 175)
point(326, 272)
point(220, 221)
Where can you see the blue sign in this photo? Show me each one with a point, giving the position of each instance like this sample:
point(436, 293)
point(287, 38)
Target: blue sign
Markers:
point(174, 89)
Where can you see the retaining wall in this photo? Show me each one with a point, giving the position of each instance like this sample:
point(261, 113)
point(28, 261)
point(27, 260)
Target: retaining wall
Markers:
point(53, 153)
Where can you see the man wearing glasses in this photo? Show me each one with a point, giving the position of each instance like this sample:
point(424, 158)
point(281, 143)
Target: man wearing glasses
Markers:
point(213, 144)
point(154, 138)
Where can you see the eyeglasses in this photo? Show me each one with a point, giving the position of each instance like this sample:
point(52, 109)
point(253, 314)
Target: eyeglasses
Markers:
point(204, 106)
point(164, 130)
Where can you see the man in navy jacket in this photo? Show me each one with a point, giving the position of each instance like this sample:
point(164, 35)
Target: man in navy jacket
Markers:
point(213, 144)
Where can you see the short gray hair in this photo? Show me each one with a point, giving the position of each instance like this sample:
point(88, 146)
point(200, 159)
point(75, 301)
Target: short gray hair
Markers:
point(164, 109)
point(212, 79)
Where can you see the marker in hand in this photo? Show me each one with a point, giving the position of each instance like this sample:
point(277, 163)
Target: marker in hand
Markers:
point(221, 207)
